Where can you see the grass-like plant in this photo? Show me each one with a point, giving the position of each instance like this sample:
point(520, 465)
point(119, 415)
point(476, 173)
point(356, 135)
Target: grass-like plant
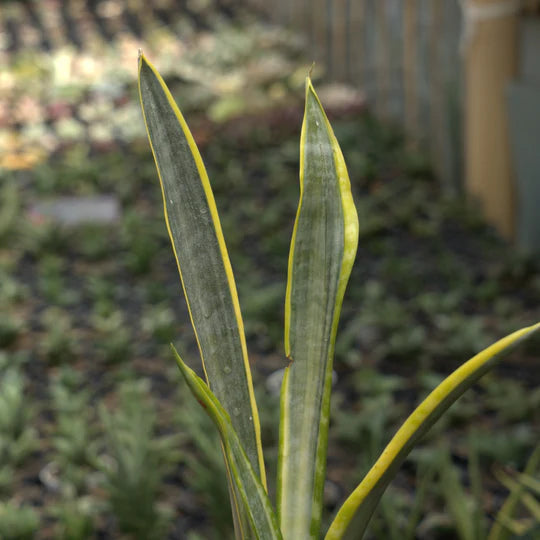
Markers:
point(18, 438)
point(137, 462)
point(74, 440)
point(323, 249)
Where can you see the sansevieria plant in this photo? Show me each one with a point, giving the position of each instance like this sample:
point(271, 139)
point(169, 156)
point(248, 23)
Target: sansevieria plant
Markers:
point(322, 252)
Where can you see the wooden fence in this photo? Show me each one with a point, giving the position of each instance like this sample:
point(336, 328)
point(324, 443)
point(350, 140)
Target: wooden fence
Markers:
point(403, 54)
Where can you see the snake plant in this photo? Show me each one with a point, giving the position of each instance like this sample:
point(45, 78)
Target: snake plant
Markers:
point(322, 252)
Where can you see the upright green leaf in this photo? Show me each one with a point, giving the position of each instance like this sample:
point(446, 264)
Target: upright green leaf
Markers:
point(364, 499)
point(204, 266)
point(254, 500)
point(322, 252)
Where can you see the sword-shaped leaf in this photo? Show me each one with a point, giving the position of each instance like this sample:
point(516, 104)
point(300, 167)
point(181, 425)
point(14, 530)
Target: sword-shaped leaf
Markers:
point(202, 258)
point(253, 498)
point(323, 248)
point(364, 499)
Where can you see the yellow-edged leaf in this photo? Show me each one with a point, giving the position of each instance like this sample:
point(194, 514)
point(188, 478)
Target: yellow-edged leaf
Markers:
point(363, 500)
point(253, 498)
point(323, 248)
point(203, 262)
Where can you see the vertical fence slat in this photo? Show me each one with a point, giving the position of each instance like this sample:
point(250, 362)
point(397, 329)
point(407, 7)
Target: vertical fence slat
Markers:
point(370, 44)
point(382, 59)
point(395, 32)
point(453, 92)
point(491, 62)
point(329, 22)
point(436, 91)
point(423, 84)
point(409, 69)
point(358, 40)
point(348, 41)
point(340, 33)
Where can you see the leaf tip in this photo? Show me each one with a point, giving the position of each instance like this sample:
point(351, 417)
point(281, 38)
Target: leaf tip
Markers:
point(309, 84)
point(141, 58)
point(179, 361)
point(144, 62)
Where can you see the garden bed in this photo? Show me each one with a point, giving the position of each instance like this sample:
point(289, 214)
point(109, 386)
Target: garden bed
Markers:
point(98, 436)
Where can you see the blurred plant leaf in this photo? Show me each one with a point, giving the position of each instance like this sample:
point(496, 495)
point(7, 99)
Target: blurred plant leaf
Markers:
point(504, 524)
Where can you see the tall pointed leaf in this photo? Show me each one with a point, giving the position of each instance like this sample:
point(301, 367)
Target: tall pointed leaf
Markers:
point(204, 266)
point(254, 500)
point(322, 252)
point(362, 502)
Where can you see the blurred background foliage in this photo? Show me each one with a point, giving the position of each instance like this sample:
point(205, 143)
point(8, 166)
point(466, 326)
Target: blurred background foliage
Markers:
point(98, 438)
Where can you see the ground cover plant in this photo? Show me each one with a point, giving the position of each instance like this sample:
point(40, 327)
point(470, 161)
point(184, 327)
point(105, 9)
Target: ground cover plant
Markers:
point(323, 248)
